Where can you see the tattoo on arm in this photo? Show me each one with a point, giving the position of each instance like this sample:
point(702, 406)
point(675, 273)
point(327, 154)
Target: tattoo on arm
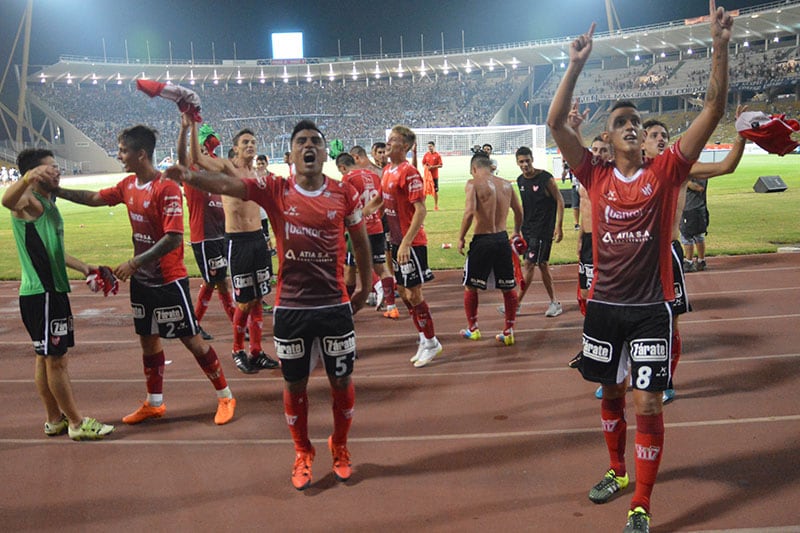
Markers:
point(165, 245)
point(78, 196)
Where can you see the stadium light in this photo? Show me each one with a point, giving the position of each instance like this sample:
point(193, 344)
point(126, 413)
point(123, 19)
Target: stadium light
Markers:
point(663, 54)
point(636, 57)
point(746, 44)
point(689, 51)
point(775, 40)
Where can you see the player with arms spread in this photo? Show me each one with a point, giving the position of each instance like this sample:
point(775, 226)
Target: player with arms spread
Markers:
point(313, 316)
point(628, 316)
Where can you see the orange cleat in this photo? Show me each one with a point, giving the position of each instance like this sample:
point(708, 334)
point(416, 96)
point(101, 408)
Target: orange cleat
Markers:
point(144, 412)
point(225, 409)
point(341, 460)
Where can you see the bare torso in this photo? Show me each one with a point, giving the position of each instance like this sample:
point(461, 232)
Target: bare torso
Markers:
point(492, 201)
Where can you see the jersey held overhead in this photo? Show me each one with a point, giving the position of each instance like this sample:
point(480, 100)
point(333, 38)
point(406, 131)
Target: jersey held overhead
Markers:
point(632, 226)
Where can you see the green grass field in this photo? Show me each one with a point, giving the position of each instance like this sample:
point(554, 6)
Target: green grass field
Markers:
point(742, 221)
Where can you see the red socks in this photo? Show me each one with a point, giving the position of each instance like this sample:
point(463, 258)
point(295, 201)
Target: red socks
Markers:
point(343, 402)
point(388, 290)
point(203, 297)
point(471, 308)
point(154, 372)
point(212, 368)
point(256, 324)
point(510, 302)
point(423, 320)
point(239, 325)
point(227, 303)
point(677, 346)
point(612, 416)
point(649, 445)
point(295, 407)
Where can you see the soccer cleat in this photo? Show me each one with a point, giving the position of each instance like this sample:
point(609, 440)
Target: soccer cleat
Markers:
point(599, 393)
point(262, 361)
point(372, 299)
point(225, 410)
point(205, 335)
point(144, 412)
point(90, 429)
point(341, 460)
point(506, 337)
point(608, 486)
point(638, 521)
point(243, 362)
point(668, 396)
point(573, 363)
point(420, 347)
point(392, 312)
point(427, 354)
point(471, 334)
point(554, 309)
point(301, 472)
point(266, 307)
point(57, 428)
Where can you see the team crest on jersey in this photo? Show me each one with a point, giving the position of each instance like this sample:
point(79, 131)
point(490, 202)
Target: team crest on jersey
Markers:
point(611, 196)
point(331, 214)
point(535, 188)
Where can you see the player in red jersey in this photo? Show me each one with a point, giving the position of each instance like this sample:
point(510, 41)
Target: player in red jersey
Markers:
point(206, 228)
point(403, 201)
point(628, 316)
point(432, 162)
point(313, 315)
point(368, 184)
point(160, 297)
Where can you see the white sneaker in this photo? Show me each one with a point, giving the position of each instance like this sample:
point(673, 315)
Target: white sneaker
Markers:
point(372, 299)
point(420, 347)
point(427, 353)
point(378, 296)
point(554, 309)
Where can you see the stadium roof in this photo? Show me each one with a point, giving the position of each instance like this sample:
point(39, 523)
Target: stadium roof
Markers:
point(672, 40)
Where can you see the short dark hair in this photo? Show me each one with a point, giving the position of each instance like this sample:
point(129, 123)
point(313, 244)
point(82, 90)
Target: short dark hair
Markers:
point(487, 144)
point(261, 157)
point(431, 142)
point(523, 150)
point(31, 158)
point(653, 122)
point(481, 159)
point(379, 144)
point(305, 124)
point(139, 137)
point(359, 151)
point(599, 138)
point(345, 159)
point(623, 103)
point(245, 131)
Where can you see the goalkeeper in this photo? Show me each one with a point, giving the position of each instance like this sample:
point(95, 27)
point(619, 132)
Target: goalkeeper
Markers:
point(39, 233)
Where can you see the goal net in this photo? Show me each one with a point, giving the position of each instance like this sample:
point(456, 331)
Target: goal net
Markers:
point(504, 139)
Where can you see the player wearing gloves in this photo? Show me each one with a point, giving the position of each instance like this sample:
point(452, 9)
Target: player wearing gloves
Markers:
point(39, 233)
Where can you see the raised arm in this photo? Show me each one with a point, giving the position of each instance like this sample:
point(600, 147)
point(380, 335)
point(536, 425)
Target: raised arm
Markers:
point(213, 182)
point(567, 139)
point(701, 128)
point(187, 125)
point(20, 203)
point(704, 171)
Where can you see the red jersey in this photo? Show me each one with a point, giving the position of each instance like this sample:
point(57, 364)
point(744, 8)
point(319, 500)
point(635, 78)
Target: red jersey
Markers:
point(309, 232)
point(401, 187)
point(206, 216)
point(632, 226)
point(368, 184)
point(430, 159)
point(154, 209)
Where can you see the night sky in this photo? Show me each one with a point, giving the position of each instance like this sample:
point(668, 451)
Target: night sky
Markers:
point(78, 27)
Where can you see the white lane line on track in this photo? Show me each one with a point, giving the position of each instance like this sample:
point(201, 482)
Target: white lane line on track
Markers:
point(417, 374)
point(132, 441)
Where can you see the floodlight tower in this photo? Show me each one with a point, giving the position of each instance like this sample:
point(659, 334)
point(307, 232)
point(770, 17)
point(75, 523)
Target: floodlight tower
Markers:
point(19, 116)
point(611, 15)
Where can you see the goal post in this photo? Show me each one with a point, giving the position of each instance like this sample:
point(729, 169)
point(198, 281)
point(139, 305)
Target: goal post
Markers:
point(504, 139)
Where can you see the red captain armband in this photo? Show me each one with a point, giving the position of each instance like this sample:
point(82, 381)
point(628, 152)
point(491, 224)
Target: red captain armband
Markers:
point(519, 245)
point(102, 279)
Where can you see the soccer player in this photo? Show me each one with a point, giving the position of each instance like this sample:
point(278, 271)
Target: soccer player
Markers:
point(206, 229)
point(487, 148)
point(362, 160)
point(368, 185)
point(628, 316)
point(313, 317)
point(379, 155)
point(543, 208)
point(248, 258)
point(432, 162)
point(38, 230)
point(403, 200)
point(488, 199)
point(159, 289)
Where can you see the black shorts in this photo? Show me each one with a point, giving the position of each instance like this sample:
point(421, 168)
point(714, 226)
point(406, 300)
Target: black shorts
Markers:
point(302, 335)
point(250, 264)
point(48, 319)
point(586, 262)
point(166, 310)
point(489, 254)
point(377, 243)
point(538, 249)
point(576, 198)
point(416, 271)
point(211, 259)
point(680, 304)
point(694, 222)
point(616, 335)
